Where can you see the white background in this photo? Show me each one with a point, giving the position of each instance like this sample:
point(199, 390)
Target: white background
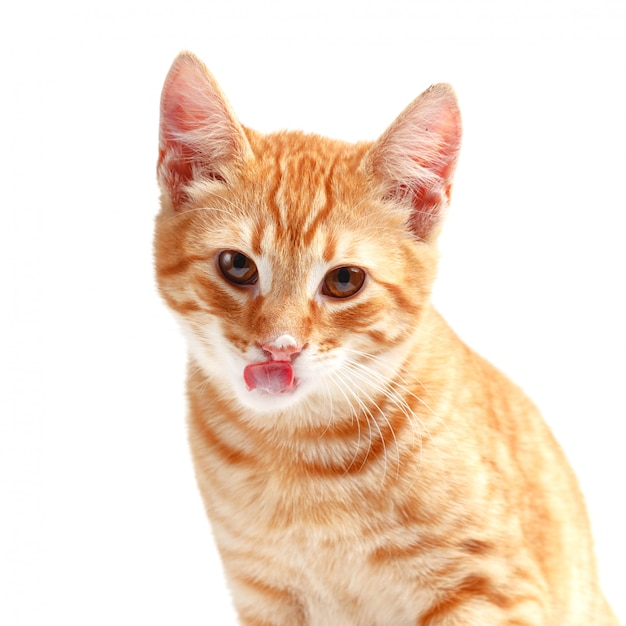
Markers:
point(100, 521)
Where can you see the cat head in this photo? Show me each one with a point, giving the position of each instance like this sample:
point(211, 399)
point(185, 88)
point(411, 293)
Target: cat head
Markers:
point(298, 266)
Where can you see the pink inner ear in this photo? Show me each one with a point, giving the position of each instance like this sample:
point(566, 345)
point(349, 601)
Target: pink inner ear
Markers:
point(190, 99)
point(199, 136)
point(427, 205)
point(416, 157)
point(179, 164)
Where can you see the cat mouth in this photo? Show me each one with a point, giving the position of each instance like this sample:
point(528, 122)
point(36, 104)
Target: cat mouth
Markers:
point(271, 377)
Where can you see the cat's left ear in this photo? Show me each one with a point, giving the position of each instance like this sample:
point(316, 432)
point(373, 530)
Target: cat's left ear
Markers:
point(200, 138)
point(414, 160)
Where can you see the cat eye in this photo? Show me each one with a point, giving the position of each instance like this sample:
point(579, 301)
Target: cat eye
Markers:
point(343, 282)
point(237, 268)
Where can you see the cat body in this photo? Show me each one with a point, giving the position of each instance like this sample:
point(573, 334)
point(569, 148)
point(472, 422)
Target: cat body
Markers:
point(359, 464)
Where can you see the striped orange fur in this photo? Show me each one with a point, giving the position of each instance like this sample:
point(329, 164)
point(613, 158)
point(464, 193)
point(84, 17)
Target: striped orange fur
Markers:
point(359, 464)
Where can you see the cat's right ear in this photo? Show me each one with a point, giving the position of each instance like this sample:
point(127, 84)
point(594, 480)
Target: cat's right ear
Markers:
point(199, 136)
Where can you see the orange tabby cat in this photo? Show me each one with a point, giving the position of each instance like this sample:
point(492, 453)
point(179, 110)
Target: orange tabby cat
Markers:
point(359, 464)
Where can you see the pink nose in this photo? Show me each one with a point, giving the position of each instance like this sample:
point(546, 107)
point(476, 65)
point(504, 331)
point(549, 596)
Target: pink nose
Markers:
point(282, 349)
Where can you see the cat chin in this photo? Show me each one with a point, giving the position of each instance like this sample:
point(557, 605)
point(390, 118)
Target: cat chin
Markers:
point(263, 402)
point(300, 398)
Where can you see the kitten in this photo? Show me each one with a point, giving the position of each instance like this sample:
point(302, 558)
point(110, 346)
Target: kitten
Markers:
point(359, 464)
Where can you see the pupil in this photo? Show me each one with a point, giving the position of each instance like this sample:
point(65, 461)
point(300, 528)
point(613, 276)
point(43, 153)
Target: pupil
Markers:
point(239, 261)
point(343, 275)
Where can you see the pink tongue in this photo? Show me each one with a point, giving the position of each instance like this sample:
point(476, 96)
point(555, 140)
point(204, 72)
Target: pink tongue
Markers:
point(270, 376)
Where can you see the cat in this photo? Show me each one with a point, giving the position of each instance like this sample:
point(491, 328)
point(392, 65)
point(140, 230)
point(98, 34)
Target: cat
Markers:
point(359, 464)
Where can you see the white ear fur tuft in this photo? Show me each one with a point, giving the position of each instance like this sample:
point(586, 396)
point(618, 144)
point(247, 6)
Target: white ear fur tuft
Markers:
point(415, 158)
point(199, 135)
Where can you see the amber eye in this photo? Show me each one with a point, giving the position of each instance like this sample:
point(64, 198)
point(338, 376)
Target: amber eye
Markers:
point(343, 282)
point(237, 268)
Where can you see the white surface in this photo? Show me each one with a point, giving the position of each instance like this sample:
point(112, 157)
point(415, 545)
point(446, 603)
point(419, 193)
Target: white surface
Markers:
point(100, 521)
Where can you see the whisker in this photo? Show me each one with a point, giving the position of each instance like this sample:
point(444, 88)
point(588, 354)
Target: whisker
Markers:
point(392, 392)
point(330, 409)
point(354, 416)
point(370, 416)
point(401, 382)
point(366, 375)
point(370, 419)
point(400, 393)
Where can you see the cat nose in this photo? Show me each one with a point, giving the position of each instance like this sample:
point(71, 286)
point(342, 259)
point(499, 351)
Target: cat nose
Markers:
point(282, 348)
